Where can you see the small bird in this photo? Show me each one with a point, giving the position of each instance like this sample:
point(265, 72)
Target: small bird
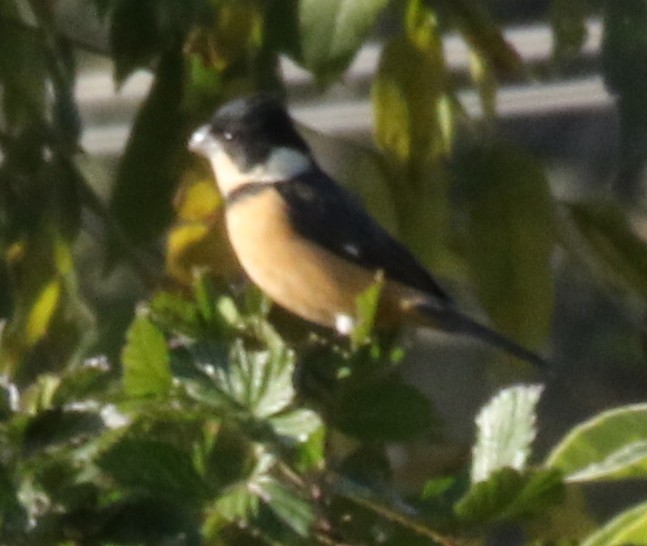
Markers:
point(306, 241)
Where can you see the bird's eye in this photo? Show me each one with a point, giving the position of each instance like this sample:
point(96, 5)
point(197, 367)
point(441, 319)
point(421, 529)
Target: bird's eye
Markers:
point(228, 136)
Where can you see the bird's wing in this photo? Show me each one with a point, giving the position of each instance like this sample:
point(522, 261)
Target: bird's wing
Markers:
point(324, 212)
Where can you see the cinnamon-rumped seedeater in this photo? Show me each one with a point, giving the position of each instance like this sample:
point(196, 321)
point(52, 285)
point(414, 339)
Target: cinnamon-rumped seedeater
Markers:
point(308, 243)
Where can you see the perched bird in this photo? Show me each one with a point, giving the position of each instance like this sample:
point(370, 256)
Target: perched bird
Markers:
point(307, 242)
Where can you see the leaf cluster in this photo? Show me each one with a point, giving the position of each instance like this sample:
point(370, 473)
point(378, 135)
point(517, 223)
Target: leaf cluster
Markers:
point(208, 419)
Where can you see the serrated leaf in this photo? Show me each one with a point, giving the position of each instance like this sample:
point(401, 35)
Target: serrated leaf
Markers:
point(610, 446)
point(508, 494)
point(511, 238)
point(146, 360)
point(506, 430)
point(260, 381)
point(154, 467)
point(383, 410)
point(290, 508)
point(331, 32)
point(604, 233)
point(298, 424)
point(238, 503)
point(629, 527)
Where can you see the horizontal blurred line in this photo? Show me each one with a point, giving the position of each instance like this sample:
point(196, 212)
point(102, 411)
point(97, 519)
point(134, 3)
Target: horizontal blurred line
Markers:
point(336, 113)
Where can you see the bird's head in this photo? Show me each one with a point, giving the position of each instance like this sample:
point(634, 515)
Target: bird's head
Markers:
point(251, 140)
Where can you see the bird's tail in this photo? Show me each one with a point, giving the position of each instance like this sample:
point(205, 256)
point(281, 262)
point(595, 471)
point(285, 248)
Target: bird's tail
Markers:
point(450, 320)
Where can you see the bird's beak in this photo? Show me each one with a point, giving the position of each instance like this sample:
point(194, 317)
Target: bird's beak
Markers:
point(201, 141)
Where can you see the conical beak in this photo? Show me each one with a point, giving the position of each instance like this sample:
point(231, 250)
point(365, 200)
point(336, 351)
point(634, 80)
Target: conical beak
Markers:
point(201, 141)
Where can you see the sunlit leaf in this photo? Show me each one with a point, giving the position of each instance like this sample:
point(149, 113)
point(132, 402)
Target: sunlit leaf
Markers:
point(331, 32)
point(629, 527)
point(298, 424)
point(508, 494)
point(506, 430)
point(42, 311)
point(367, 306)
point(610, 446)
point(146, 360)
point(511, 238)
point(259, 381)
point(290, 508)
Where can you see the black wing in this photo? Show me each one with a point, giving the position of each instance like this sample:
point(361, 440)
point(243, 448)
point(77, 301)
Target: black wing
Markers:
point(324, 212)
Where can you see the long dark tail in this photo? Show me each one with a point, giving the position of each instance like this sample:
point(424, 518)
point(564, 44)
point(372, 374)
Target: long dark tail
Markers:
point(451, 320)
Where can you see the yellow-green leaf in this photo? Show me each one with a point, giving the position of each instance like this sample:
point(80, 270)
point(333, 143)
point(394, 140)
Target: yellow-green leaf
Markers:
point(610, 446)
point(42, 311)
point(511, 237)
point(146, 362)
point(629, 527)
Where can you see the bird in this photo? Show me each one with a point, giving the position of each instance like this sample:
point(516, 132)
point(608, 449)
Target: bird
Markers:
point(306, 241)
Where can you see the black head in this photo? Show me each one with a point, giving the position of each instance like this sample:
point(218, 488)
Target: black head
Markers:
point(249, 129)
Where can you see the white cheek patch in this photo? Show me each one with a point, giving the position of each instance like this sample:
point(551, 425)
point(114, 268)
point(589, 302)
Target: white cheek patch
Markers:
point(282, 164)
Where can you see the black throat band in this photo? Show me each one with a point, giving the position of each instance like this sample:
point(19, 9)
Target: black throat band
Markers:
point(244, 191)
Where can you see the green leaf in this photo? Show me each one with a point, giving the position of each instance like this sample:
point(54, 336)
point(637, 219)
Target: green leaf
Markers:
point(506, 430)
point(155, 468)
point(405, 94)
point(331, 32)
point(244, 502)
point(57, 427)
point(146, 360)
point(413, 129)
point(629, 527)
point(367, 305)
point(23, 71)
point(484, 35)
point(511, 237)
point(140, 31)
point(603, 236)
point(610, 446)
point(289, 507)
point(298, 424)
point(383, 410)
point(87, 381)
point(260, 381)
point(151, 165)
point(508, 495)
point(237, 503)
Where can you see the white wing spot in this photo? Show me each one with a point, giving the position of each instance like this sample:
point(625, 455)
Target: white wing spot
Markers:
point(344, 324)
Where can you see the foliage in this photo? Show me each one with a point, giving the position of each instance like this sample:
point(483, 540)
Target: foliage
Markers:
point(210, 418)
